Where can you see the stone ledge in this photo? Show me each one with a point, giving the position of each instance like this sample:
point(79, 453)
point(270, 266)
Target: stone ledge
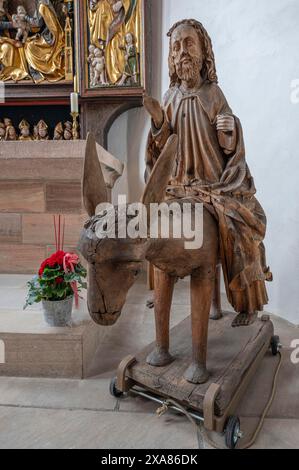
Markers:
point(34, 349)
point(50, 160)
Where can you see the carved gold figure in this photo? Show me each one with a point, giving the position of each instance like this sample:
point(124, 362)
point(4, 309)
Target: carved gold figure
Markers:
point(10, 133)
point(41, 56)
point(110, 21)
point(42, 130)
point(20, 22)
point(68, 131)
point(24, 127)
point(7, 122)
point(98, 67)
point(131, 71)
point(58, 132)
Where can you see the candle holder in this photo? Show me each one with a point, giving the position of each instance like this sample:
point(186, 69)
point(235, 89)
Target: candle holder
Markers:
point(75, 130)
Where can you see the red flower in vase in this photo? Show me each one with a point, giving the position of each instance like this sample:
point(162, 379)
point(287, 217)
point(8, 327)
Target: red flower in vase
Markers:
point(42, 267)
point(54, 260)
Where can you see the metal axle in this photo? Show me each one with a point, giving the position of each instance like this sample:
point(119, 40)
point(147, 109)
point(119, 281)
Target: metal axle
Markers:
point(162, 402)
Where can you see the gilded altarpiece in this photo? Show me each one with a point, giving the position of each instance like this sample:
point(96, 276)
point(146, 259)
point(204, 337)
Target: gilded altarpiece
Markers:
point(52, 48)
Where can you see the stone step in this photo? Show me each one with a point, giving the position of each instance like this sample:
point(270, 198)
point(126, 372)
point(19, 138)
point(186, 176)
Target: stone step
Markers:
point(31, 348)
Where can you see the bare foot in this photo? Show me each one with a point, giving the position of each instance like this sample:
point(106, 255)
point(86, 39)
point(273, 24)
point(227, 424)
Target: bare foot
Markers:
point(159, 358)
point(244, 319)
point(197, 374)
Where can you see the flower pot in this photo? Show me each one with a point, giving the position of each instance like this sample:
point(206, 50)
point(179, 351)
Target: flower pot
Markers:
point(58, 312)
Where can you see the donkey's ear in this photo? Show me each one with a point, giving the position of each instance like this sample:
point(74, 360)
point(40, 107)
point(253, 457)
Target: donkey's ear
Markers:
point(94, 189)
point(159, 179)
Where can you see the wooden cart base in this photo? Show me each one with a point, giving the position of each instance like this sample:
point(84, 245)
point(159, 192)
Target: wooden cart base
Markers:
point(234, 355)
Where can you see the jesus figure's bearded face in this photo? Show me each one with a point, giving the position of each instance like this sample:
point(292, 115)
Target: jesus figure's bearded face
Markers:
point(187, 53)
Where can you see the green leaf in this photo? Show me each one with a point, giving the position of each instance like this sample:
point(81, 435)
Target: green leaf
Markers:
point(51, 275)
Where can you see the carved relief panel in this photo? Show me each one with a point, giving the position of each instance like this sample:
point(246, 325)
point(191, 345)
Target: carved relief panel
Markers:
point(36, 41)
point(112, 45)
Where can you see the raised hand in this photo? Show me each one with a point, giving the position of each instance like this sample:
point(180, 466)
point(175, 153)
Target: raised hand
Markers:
point(226, 130)
point(154, 109)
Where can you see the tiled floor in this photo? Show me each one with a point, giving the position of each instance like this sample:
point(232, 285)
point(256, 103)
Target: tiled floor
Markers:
point(51, 413)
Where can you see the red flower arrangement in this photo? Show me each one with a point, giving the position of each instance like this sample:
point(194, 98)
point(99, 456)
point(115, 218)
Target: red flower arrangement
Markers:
point(56, 258)
point(60, 276)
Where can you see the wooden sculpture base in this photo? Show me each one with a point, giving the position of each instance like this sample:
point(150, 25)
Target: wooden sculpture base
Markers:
point(234, 355)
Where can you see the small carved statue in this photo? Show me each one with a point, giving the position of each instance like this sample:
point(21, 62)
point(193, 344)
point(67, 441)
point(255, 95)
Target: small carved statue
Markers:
point(58, 132)
point(10, 133)
point(99, 68)
point(2, 131)
point(131, 72)
point(20, 22)
point(90, 60)
point(24, 127)
point(42, 130)
point(7, 122)
point(68, 131)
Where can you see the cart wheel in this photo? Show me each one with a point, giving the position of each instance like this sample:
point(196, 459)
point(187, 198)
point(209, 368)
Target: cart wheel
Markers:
point(113, 389)
point(232, 432)
point(275, 345)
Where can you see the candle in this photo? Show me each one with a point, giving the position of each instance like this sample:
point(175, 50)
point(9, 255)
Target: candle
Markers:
point(76, 87)
point(74, 103)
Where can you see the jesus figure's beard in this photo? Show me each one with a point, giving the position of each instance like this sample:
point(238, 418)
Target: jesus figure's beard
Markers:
point(190, 71)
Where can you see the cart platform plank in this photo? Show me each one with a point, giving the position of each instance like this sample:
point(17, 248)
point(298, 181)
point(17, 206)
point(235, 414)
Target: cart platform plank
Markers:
point(233, 357)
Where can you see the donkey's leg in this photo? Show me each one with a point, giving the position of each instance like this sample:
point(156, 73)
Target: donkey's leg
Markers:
point(163, 297)
point(216, 312)
point(201, 297)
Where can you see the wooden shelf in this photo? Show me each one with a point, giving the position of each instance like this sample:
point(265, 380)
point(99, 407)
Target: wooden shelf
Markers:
point(22, 93)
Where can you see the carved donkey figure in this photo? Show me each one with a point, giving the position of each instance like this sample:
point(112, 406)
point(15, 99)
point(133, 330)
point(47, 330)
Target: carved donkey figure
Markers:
point(113, 264)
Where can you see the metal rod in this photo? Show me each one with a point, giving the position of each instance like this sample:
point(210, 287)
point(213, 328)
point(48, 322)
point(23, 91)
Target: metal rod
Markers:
point(162, 402)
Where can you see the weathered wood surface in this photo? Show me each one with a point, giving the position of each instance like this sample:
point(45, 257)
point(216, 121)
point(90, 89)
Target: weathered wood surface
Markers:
point(230, 353)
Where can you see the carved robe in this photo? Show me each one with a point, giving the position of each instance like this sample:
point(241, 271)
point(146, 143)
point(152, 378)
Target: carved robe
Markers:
point(45, 53)
point(215, 172)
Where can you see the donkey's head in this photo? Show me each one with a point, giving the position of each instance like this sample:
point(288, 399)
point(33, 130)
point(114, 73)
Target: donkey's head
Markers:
point(114, 263)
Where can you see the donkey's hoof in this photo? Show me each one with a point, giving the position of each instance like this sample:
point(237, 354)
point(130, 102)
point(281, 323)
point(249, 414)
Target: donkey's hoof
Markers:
point(150, 303)
point(159, 358)
point(197, 374)
point(216, 315)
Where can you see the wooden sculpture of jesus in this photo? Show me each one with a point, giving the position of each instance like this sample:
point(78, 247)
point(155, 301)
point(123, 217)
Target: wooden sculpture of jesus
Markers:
point(210, 164)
